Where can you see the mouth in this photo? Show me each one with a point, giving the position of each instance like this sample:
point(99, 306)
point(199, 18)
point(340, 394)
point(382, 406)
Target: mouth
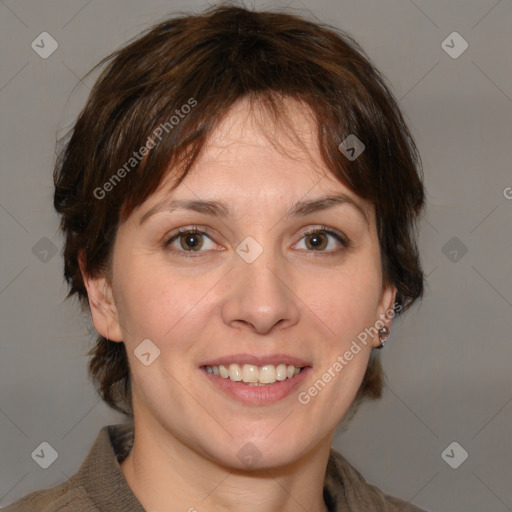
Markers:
point(256, 380)
point(253, 375)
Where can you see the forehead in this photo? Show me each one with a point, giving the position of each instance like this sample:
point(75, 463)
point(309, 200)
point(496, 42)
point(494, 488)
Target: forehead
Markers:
point(250, 125)
point(253, 160)
point(252, 150)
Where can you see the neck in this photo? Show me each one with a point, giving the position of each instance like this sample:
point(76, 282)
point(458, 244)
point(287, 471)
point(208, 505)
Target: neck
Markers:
point(165, 474)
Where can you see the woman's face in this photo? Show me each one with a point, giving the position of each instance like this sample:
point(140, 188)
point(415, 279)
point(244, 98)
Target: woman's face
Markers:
point(250, 288)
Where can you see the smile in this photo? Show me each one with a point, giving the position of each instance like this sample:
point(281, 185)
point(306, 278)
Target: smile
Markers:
point(250, 374)
point(256, 385)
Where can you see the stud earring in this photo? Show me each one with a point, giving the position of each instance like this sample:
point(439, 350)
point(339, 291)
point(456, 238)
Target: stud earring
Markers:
point(383, 336)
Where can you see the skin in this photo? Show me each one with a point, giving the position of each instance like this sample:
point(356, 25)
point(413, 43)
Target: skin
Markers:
point(292, 299)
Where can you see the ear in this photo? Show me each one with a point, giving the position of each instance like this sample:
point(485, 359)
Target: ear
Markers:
point(101, 302)
point(385, 311)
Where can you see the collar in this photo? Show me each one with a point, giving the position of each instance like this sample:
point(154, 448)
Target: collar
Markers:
point(102, 480)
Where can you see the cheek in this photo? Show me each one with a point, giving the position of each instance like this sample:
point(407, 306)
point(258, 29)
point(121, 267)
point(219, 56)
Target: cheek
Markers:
point(155, 302)
point(346, 304)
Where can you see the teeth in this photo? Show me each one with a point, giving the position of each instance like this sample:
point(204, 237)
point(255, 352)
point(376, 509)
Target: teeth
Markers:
point(235, 373)
point(254, 375)
point(280, 372)
point(249, 373)
point(268, 374)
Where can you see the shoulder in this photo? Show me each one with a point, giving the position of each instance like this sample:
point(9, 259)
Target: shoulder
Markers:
point(64, 497)
point(98, 485)
point(346, 485)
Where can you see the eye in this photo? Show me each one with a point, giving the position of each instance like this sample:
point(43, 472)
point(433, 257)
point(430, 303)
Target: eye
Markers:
point(188, 240)
point(317, 239)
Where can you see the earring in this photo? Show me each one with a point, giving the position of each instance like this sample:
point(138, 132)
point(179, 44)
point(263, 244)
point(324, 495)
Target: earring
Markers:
point(383, 336)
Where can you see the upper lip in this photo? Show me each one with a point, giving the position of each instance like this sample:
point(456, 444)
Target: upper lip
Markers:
point(256, 360)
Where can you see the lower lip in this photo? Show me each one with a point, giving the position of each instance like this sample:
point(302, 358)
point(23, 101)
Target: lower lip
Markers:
point(257, 395)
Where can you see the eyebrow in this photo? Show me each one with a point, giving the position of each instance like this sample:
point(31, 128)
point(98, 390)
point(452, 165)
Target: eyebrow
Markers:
point(221, 210)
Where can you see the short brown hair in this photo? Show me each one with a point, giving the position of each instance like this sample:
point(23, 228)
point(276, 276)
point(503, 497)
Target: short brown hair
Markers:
point(217, 58)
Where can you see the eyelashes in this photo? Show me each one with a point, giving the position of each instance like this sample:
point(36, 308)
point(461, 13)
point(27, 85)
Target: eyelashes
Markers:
point(340, 238)
point(193, 237)
point(183, 236)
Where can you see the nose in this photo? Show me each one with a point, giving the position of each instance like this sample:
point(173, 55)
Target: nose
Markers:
point(260, 296)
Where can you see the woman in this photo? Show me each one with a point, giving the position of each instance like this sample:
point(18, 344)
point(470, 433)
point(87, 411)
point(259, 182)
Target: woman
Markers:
point(239, 199)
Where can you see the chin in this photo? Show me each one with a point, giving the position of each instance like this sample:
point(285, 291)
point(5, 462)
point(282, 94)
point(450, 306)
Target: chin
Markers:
point(260, 452)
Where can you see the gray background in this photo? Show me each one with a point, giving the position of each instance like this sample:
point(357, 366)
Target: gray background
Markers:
point(448, 360)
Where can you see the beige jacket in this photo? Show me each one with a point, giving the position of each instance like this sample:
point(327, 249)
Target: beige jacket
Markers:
point(99, 484)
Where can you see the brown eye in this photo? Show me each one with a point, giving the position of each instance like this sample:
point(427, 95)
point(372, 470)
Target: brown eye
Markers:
point(189, 240)
point(319, 240)
point(192, 240)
